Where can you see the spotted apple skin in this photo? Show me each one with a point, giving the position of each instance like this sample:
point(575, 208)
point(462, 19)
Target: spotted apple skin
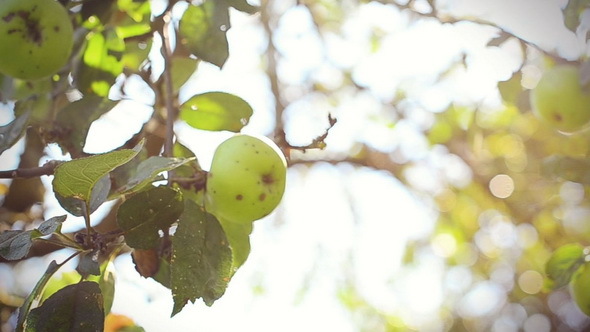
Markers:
point(36, 38)
point(247, 179)
point(560, 100)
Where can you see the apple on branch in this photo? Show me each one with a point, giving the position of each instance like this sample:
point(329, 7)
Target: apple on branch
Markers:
point(560, 100)
point(36, 38)
point(247, 179)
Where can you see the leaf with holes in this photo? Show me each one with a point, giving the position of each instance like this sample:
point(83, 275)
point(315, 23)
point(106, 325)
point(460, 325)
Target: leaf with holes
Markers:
point(216, 111)
point(143, 215)
point(201, 258)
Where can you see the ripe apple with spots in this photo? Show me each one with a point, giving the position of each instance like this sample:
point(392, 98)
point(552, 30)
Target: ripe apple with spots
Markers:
point(560, 100)
point(36, 38)
point(247, 179)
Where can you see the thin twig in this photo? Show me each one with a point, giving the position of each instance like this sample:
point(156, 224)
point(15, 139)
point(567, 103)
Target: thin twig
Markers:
point(31, 172)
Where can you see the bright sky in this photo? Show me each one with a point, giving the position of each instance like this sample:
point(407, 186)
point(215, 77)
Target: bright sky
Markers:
point(340, 224)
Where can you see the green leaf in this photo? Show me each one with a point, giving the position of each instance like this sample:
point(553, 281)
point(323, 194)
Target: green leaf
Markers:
point(182, 69)
point(12, 132)
point(35, 295)
point(136, 52)
point(201, 258)
point(203, 31)
point(81, 185)
point(567, 168)
point(511, 89)
point(189, 169)
point(147, 172)
point(216, 111)
point(102, 63)
point(77, 307)
point(88, 264)
point(74, 121)
point(163, 274)
point(16, 244)
point(55, 283)
point(142, 216)
point(562, 264)
point(238, 235)
point(107, 285)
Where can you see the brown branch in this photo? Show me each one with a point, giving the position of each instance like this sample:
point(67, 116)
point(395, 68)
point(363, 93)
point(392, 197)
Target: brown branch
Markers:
point(170, 111)
point(31, 172)
point(271, 73)
point(367, 157)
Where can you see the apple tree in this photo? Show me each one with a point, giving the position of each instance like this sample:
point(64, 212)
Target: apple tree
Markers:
point(187, 228)
point(518, 219)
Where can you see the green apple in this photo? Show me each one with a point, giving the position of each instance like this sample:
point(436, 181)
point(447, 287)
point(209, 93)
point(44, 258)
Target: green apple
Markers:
point(36, 38)
point(560, 100)
point(580, 288)
point(247, 179)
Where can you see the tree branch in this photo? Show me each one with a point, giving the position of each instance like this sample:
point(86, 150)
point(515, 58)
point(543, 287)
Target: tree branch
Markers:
point(271, 73)
point(32, 172)
point(170, 111)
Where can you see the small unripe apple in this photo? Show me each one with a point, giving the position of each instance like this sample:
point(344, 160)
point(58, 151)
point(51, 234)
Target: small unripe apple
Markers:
point(560, 100)
point(247, 179)
point(36, 38)
point(580, 288)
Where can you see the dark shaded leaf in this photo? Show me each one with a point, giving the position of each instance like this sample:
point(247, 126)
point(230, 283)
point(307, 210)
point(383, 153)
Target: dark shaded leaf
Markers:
point(12, 132)
point(16, 244)
point(562, 264)
point(77, 307)
point(73, 122)
point(143, 215)
point(216, 111)
point(147, 172)
point(88, 264)
point(163, 274)
point(203, 31)
point(201, 258)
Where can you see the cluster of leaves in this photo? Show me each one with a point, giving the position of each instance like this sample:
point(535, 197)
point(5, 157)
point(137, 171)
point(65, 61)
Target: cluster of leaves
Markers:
point(173, 238)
